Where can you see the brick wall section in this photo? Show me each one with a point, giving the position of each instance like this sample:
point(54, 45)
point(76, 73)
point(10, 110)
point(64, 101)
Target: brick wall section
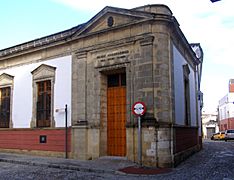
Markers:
point(28, 139)
point(185, 137)
point(226, 124)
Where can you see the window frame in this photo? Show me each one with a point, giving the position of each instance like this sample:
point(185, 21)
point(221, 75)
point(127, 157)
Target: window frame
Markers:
point(187, 110)
point(43, 103)
point(7, 81)
point(40, 74)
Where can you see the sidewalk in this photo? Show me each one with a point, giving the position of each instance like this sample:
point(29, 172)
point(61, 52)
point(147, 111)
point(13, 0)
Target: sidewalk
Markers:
point(112, 165)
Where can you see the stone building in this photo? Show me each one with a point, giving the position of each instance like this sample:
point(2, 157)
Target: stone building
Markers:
point(209, 124)
point(99, 69)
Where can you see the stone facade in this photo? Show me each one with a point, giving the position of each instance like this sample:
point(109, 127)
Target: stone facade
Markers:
point(138, 42)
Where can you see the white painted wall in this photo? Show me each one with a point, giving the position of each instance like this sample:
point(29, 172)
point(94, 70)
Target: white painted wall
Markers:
point(22, 91)
point(179, 61)
point(226, 106)
point(199, 110)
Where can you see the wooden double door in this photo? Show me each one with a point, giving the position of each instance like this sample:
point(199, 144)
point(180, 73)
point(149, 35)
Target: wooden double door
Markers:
point(116, 115)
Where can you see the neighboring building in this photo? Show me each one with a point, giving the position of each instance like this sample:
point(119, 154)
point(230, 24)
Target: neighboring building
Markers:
point(226, 109)
point(209, 124)
point(99, 69)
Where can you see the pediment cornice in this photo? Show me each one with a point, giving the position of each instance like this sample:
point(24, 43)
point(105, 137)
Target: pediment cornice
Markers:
point(6, 79)
point(43, 71)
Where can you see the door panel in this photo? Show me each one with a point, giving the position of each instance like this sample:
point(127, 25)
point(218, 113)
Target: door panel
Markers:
point(116, 115)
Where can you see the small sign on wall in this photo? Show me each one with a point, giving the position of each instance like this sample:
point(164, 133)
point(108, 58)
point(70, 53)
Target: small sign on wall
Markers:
point(42, 138)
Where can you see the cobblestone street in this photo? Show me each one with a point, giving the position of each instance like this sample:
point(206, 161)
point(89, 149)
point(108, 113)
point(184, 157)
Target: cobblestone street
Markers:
point(215, 161)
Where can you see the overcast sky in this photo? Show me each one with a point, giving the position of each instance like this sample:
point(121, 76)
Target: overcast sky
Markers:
point(210, 24)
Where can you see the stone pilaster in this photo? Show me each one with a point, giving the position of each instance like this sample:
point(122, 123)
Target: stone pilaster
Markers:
point(163, 108)
point(79, 142)
point(79, 97)
point(79, 109)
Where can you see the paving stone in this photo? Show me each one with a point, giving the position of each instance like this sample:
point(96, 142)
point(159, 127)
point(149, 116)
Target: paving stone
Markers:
point(214, 162)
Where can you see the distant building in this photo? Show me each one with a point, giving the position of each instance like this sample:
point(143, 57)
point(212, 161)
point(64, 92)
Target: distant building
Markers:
point(226, 109)
point(99, 69)
point(209, 124)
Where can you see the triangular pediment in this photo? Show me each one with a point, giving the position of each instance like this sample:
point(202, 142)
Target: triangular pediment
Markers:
point(6, 79)
point(111, 17)
point(43, 71)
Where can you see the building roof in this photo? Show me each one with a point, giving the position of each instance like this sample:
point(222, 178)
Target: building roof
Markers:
point(156, 12)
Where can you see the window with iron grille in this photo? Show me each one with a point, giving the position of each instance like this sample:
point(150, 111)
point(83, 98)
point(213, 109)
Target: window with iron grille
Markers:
point(5, 95)
point(43, 96)
point(43, 103)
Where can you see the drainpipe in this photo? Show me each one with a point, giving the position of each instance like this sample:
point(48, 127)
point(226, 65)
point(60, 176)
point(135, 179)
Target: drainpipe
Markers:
point(66, 133)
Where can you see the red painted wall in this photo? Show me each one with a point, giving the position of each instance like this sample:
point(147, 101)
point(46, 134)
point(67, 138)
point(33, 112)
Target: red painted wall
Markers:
point(231, 87)
point(226, 124)
point(185, 137)
point(29, 139)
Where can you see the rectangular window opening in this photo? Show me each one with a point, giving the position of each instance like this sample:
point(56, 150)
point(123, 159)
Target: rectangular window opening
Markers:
point(116, 80)
point(5, 96)
point(44, 103)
